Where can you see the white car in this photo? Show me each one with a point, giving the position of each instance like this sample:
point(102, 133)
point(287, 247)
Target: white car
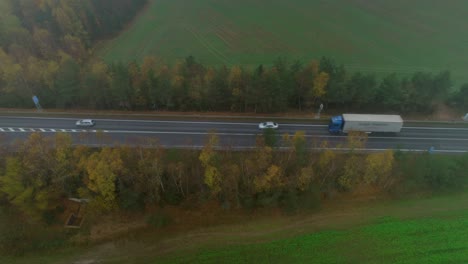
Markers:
point(265, 125)
point(85, 123)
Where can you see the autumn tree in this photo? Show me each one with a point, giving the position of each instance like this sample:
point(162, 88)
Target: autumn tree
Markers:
point(261, 171)
point(65, 170)
point(379, 168)
point(269, 180)
point(326, 166)
point(352, 171)
point(29, 182)
point(102, 170)
point(210, 161)
point(150, 173)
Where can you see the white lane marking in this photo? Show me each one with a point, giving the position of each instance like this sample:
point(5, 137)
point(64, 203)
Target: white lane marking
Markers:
point(177, 133)
point(285, 148)
point(1, 129)
point(253, 134)
point(438, 128)
point(137, 120)
point(32, 130)
point(234, 134)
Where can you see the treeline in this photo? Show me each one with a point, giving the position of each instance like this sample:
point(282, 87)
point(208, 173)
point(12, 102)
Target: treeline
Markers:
point(36, 180)
point(189, 85)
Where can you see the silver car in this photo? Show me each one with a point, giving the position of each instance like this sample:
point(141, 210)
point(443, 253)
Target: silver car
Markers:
point(265, 125)
point(85, 123)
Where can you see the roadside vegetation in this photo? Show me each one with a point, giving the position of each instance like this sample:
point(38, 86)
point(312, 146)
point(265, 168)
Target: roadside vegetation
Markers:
point(37, 180)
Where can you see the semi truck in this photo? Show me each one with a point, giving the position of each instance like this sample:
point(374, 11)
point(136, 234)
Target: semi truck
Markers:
point(365, 123)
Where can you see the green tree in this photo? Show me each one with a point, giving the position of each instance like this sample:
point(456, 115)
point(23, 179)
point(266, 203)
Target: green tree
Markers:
point(67, 83)
point(270, 137)
point(336, 85)
point(362, 89)
point(390, 93)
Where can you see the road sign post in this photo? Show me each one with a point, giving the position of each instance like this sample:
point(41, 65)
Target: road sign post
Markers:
point(36, 102)
point(317, 116)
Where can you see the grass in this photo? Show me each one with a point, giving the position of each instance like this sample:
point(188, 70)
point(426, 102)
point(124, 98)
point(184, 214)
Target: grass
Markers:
point(416, 231)
point(428, 230)
point(391, 241)
point(379, 36)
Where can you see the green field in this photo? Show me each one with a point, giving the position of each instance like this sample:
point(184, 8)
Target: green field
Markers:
point(379, 36)
point(391, 241)
point(429, 230)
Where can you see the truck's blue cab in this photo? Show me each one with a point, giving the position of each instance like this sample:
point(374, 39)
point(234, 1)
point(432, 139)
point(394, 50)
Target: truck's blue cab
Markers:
point(336, 124)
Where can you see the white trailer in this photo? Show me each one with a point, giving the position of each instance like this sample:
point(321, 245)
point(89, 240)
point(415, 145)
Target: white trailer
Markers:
point(366, 123)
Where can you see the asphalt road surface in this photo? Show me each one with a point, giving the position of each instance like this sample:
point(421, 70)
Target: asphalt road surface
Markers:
point(238, 135)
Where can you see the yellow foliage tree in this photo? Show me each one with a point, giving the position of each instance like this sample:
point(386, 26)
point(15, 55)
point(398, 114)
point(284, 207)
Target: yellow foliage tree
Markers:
point(326, 165)
point(305, 178)
point(270, 180)
point(208, 158)
point(320, 82)
point(102, 170)
point(378, 166)
point(29, 181)
point(352, 172)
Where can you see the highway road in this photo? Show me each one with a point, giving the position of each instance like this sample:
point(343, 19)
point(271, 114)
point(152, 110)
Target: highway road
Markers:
point(239, 135)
